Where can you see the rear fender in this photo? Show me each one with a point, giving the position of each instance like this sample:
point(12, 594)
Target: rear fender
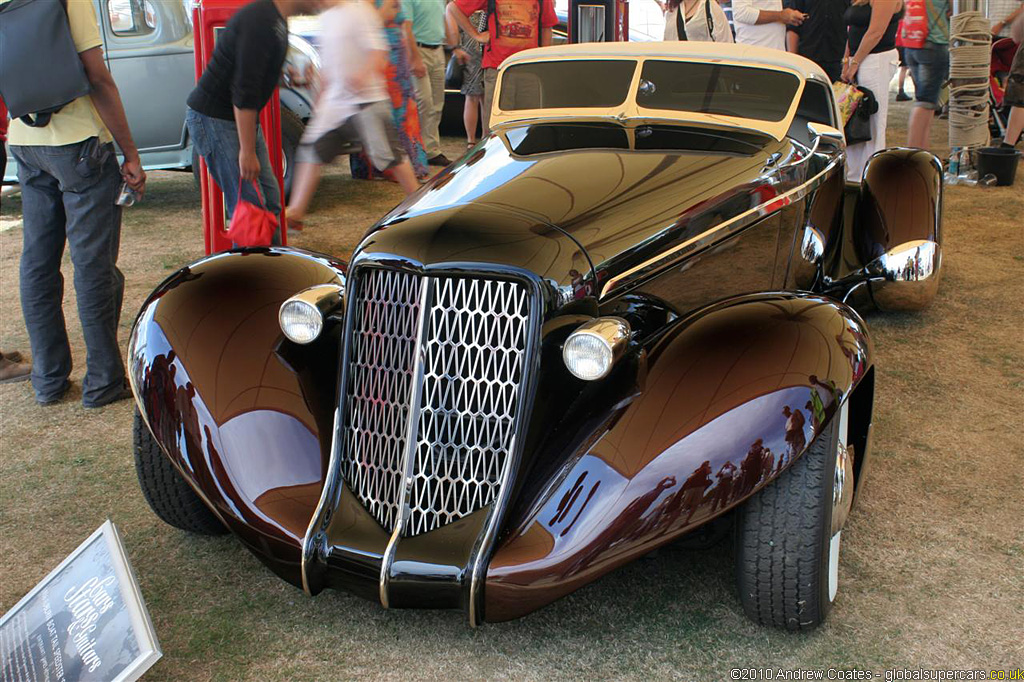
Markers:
point(732, 395)
point(244, 414)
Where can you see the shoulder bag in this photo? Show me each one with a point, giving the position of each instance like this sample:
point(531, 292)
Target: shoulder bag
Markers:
point(40, 70)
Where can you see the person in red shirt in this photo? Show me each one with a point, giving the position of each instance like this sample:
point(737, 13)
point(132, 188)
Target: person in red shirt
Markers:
point(512, 26)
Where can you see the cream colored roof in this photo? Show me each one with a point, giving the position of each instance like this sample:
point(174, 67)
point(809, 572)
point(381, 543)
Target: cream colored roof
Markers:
point(676, 49)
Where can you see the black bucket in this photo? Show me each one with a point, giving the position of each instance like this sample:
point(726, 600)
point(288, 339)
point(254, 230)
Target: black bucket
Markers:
point(998, 161)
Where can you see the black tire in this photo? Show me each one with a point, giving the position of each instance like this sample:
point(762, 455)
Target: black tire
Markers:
point(292, 128)
point(167, 493)
point(783, 539)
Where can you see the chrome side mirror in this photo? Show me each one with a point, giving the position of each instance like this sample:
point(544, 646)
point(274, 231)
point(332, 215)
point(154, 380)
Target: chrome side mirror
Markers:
point(827, 134)
point(903, 278)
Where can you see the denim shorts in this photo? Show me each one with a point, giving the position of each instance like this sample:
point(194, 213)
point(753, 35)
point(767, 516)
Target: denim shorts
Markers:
point(929, 67)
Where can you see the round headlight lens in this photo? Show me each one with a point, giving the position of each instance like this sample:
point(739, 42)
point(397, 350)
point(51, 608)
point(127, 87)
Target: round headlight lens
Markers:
point(300, 321)
point(587, 356)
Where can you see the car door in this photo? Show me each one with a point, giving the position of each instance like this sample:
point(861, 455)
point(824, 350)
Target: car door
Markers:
point(149, 51)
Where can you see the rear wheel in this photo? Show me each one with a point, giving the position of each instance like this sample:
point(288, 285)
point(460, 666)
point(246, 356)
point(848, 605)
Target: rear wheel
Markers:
point(167, 493)
point(292, 128)
point(789, 535)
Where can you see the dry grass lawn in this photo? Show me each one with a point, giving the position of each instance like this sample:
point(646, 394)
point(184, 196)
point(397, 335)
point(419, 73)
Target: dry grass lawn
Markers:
point(933, 572)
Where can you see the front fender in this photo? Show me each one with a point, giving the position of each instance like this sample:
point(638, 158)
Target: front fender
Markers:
point(708, 430)
point(244, 414)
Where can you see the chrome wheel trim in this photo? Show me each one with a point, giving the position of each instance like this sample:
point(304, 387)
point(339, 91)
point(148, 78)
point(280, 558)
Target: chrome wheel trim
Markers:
point(842, 497)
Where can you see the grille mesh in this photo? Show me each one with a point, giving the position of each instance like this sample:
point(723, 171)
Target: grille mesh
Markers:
point(474, 359)
point(380, 376)
point(476, 343)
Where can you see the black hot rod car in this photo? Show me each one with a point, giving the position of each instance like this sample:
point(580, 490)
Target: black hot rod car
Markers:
point(622, 316)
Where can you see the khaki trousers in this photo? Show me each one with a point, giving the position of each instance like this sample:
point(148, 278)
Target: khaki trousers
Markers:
point(490, 80)
point(430, 98)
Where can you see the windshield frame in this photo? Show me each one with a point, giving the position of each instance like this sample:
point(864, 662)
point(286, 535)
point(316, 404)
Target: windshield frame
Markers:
point(631, 110)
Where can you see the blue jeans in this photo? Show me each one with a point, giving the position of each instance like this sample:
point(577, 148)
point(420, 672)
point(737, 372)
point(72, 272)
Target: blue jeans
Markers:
point(216, 140)
point(68, 195)
point(929, 67)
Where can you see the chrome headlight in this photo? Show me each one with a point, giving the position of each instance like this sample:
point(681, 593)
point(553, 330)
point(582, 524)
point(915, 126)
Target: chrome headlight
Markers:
point(591, 351)
point(302, 316)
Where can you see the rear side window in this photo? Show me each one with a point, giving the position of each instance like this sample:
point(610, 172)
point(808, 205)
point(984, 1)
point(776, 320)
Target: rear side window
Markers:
point(713, 88)
point(131, 17)
point(816, 104)
point(576, 84)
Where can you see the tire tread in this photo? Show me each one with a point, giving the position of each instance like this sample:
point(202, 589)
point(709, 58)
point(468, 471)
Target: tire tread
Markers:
point(780, 564)
point(166, 492)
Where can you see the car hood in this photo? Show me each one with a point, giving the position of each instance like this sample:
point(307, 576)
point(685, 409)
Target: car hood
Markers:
point(565, 199)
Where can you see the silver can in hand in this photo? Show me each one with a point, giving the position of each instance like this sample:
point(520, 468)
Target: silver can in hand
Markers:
point(127, 196)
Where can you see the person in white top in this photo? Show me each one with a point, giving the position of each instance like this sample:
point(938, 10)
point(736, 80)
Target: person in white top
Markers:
point(353, 105)
point(696, 15)
point(763, 22)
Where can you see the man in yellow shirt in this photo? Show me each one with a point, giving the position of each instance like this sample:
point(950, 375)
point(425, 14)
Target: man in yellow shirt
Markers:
point(69, 184)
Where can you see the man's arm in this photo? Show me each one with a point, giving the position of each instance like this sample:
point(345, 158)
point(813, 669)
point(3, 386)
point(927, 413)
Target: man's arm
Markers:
point(744, 12)
point(545, 36)
point(252, 61)
point(792, 41)
point(108, 104)
point(248, 162)
point(463, 22)
point(998, 27)
point(416, 65)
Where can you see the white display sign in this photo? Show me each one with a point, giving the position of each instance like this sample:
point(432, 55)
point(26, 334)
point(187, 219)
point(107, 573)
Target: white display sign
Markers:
point(85, 621)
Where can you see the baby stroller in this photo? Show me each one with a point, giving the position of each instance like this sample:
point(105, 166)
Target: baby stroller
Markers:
point(1003, 51)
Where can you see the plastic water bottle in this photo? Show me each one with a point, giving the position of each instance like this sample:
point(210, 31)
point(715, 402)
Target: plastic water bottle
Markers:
point(952, 174)
point(968, 175)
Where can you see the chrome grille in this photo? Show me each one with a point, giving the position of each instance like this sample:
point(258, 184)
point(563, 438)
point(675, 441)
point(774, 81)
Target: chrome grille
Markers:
point(472, 371)
point(380, 375)
point(473, 360)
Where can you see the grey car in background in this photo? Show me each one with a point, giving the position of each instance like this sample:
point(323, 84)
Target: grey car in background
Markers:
point(149, 48)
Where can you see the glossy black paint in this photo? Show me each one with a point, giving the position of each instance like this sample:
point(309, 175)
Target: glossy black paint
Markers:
point(630, 478)
point(678, 229)
point(248, 425)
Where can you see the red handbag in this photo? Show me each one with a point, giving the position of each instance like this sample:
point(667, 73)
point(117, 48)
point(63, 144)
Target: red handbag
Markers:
point(914, 25)
point(252, 225)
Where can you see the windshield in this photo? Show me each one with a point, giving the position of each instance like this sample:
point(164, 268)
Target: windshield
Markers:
point(713, 88)
point(575, 84)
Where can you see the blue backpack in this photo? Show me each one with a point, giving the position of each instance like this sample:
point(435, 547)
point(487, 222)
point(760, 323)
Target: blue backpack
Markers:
point(40, 70)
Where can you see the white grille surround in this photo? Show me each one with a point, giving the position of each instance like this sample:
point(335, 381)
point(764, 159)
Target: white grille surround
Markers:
point(448, 420)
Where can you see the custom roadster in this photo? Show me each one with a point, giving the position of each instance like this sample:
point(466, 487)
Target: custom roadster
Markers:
point(622, 319)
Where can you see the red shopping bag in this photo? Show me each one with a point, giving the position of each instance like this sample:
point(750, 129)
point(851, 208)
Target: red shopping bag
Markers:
point(252, 225)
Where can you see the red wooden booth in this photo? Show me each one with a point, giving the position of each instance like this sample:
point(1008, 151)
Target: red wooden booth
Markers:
point(208, 18)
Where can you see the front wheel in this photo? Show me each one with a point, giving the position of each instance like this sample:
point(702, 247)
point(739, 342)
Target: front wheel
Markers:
point(166, 492)
point(790, 532)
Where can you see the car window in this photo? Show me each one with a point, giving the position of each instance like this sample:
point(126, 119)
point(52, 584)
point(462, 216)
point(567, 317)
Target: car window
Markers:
point(816, 104)
point(594, 83)
point(131, 17)
point(712, 88)
point(561, 137)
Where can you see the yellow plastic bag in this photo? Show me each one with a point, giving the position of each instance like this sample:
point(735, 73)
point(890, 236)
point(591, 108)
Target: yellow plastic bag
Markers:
point(848, 96)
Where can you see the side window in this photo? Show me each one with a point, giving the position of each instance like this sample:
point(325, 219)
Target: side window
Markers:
point(131, 17)
point(816, 104)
